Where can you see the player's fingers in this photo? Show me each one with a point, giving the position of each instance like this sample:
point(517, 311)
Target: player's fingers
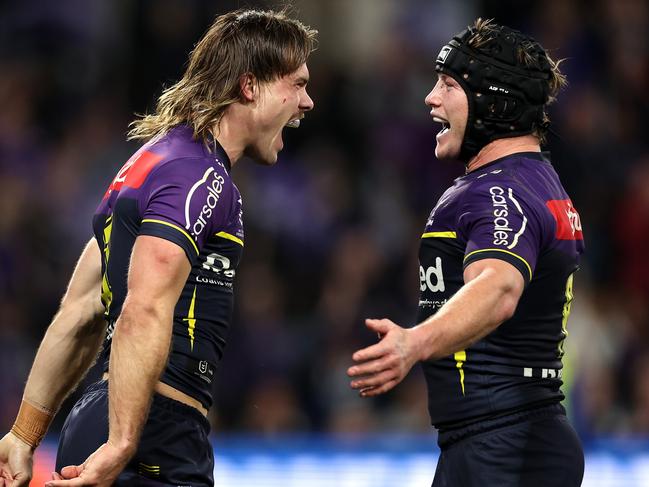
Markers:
point(71, 471)
point(20, 480)
point(370, 353)
point(368, 368)
point(375, 380)
point(18, 483)
point(375, 391)
point(56, 476)
point(66, 483)
point(379, 326)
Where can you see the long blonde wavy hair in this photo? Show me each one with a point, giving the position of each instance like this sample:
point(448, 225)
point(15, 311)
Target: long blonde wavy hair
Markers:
point(266, 44)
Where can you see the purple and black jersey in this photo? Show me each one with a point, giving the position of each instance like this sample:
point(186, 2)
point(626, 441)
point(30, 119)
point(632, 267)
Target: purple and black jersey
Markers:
point(514, 209)
point(177, 189)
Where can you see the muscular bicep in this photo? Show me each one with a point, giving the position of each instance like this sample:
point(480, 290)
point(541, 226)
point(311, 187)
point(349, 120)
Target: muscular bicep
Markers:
point(500, 272)
point(157, 273)
point(501, 278)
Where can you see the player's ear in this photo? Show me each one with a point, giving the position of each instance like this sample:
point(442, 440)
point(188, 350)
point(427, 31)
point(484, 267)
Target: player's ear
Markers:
point(249, 87)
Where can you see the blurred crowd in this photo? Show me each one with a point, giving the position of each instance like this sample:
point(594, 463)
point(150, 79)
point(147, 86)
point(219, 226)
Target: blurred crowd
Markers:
point(332, 230)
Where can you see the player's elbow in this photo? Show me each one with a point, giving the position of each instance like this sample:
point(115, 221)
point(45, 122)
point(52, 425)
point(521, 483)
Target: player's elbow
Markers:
point(510, 293)
point(141, 314)
point(506, 308)
point(77, 315)
point(85, 306)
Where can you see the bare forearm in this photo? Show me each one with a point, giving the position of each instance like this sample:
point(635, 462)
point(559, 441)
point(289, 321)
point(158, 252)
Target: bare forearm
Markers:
point(66, 353)
point(73, 338)
point(476, 310)
point(138, 354)
point(140, 347)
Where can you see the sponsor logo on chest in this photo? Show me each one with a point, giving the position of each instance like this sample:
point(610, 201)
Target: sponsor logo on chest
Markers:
point(504, 205)
point(213, 182)
point(432, 278)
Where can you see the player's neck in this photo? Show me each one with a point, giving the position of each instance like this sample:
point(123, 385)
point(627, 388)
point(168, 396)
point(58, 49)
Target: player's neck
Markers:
point(230, 132)
point(503, 147)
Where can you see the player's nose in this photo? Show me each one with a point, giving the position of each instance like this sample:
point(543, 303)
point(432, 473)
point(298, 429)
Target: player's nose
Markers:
point(306, 102)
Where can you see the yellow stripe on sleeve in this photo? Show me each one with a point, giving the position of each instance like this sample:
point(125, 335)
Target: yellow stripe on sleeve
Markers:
point(439, 235)
point(529, 268)
point(150, 220)
point(229, 236)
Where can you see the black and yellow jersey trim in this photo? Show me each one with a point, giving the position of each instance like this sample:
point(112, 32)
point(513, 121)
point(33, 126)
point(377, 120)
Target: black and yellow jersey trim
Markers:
point(439, 235)
point(176, 227)
point(527, 265)
point(229, 236)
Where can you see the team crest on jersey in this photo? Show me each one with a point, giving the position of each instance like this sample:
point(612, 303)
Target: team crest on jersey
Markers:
point(567, 218)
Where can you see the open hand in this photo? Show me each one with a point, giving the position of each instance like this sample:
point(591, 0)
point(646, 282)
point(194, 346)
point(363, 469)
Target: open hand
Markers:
point(16, 459)
point(383, 365)
point(100, 469)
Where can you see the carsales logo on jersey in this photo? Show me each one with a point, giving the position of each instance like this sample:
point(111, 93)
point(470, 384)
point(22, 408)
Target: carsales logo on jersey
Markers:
point(208, 190)
point(501, 223)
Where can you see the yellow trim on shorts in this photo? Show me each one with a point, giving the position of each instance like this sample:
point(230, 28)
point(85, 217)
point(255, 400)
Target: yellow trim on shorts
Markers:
point(229, 236)
point(150, 220)
point(529, 268)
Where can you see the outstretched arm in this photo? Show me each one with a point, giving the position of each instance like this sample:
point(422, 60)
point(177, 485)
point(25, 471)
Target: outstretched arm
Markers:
point(157, 274)
point(67, 351)
point(489, 297)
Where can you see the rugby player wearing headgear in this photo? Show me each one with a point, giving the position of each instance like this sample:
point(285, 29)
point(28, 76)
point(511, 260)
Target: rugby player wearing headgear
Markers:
point(168, 239)
point(497, 259)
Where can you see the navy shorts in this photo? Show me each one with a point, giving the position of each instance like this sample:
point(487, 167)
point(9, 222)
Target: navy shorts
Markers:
point(174, 448)
point(533, 448)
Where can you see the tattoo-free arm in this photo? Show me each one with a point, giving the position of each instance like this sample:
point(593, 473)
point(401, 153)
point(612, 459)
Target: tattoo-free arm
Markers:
point(73, 339)
point(68, 349)
point(489, 297)
point(158, 272)
point(139, 351)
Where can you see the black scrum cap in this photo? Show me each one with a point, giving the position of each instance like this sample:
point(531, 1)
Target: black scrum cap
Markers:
point(506, 97)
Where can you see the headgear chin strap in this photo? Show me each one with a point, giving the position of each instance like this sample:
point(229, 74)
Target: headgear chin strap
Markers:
point(506, 97)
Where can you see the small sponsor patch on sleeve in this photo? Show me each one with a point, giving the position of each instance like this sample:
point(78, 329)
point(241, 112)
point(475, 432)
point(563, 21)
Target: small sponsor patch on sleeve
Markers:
point(567, 219)
point(134, 172)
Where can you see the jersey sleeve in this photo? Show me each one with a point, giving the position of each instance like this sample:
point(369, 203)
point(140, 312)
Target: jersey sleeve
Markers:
point(187, 203)
point(499, 221)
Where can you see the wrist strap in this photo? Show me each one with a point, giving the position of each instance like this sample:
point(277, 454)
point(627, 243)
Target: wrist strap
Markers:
point(32, 423)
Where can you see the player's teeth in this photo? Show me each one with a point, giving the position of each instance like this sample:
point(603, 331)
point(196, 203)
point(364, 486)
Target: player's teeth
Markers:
point(293, 123)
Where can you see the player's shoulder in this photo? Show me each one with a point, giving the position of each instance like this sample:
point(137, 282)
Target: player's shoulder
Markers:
point(524, 172)
point(183, 156)
point(517, 181)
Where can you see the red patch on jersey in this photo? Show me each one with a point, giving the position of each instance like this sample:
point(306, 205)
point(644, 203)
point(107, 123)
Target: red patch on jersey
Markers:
point(567, 218)
point(134, 172)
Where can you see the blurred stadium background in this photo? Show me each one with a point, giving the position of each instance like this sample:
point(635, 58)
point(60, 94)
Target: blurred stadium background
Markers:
point(332, 230)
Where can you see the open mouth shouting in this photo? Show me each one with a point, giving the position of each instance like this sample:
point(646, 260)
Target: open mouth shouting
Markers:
point(445, 125)
point(294, 122)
